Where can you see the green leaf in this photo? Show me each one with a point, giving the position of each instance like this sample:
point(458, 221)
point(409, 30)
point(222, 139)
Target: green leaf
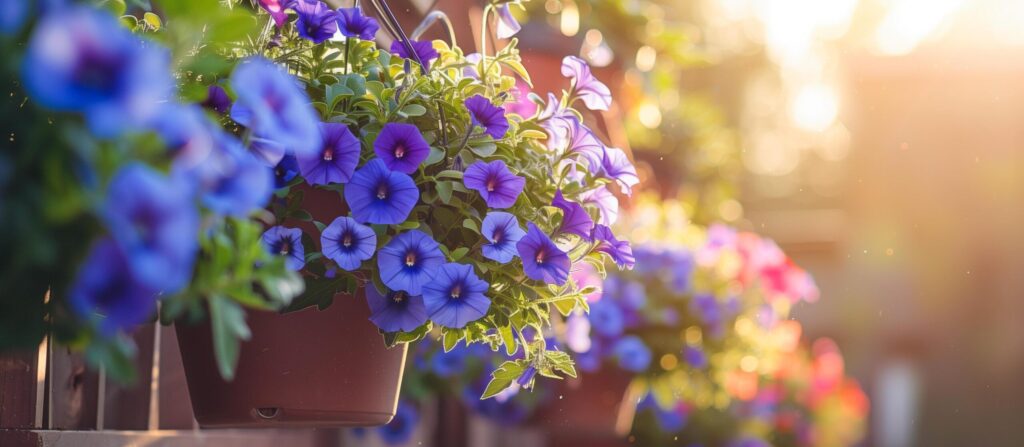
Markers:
point(484, 149)
point(450, 173)
point(229, 329)
point(470, 224)
point(436, 155)
point(152, 20)
point(444, 191)
point(458, 253)
point(413, 110)
point(116, 355)
point(502, 377)
point(509, 339)
point(451, 338)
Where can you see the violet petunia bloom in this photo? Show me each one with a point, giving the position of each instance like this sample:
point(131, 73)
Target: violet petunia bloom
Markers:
point(606, 318)
point(695, 357)
point(395, 311)
point(271, 104)
point(156, 224)
point(605, 202)
point(317, 22)
point(496, 184)
point(352, 23)
point(276, 9)
point(231, 181)
point(286, 170)
point(336, 159)
point(489, 116)
point(423, 48)
point(105, 287)
point(619, 251)
point(508, 26)
point(13, 14)
point(348, 243)
point(217, 99)
point(287, 242)
point(556, 121)
point(615, 165)
point(401, 147)
point(503, 231)
point(409, 261)
point(187, 134)
point(521, 104)
point(402, 427)
point(542, 259)
point(455, 296)
point(380, 196)
point(80, 59)
point(267, 151)
point(575, 218)
point(581, 140)
point(592, 91)
point(632, 353)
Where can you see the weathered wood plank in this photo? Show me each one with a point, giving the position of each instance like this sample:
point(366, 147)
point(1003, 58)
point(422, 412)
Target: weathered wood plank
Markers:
point(126, 407)
point(18, 388)
point(175, 406)
point(73, 391)
point(163, 438)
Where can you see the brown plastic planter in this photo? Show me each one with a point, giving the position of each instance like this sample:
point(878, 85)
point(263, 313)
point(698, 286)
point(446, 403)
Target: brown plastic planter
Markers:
point(309, 368)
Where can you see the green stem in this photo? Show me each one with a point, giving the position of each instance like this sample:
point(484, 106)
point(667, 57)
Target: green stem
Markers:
point(483, 43)
point(348, 52)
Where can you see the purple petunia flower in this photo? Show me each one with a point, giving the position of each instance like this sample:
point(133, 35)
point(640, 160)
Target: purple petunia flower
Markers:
point(424, 50)
point(287, 242)
point(352, 23)
point(619, 251)
point(348, 243)
point(267, 151)
point(13, 14)
point(276, 9)
point(186, 133)
point(499, 187)
point(286, 170)
point(526, 378)
point(455, 296)
point(336, 159)
point(401, 146)
point(556, 120)
point(377, 195)
point(508, 26)
point(605, 202)
point(575, 218)
point(156, 224)
point(633, 355)
point(217, 99)
point(271, 103)
point(695, 357)
point(232, 181)
point(592, 91)
point(489, 116)
point(395, 311)
point(616, 166)
point(80, 59)
point(503, 231)
point(577, 332)
point(409, 261)
point(581, 140)
point(317, 21)
point(542, 259)
point(400, 429)
point(105, 286)
point(606, 318)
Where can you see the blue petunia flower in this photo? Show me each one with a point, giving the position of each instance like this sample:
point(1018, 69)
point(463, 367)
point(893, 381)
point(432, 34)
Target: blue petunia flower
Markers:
point(285, 171)
point(575, 218)
point(352, 23)
point(13, 14)
point(271, 103)
point(348, 243)
point(402, 426)
point(395, 311)
point(188, 135)
point(503, 231)
point(381, 196)
point(592, 91)
point(455, 296)
point(317, 21)
point(155, 222)
point(633, 355)
point(287, 242)
point(489, 116)
point(606, 318)
point(217, 99)
point(401, 147)
point(496, 184)
point(615, 165)
point(451, 363)
point(542, 259)
point(605, 202)
point(409, 261)
point(81, 59)
point(336, 158)
point(267, 151)
point(105, 286)
point(619, 251)
point(582, 142)
point(423, 48)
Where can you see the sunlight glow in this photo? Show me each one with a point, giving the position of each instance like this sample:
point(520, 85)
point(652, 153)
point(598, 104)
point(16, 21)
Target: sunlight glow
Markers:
point(815, 107)
point(910, 22)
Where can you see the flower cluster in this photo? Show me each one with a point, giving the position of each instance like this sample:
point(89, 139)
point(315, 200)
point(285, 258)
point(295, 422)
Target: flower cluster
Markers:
point(457, 217)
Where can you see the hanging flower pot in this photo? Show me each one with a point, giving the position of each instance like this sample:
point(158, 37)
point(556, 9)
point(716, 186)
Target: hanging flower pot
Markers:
point(305, 368)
